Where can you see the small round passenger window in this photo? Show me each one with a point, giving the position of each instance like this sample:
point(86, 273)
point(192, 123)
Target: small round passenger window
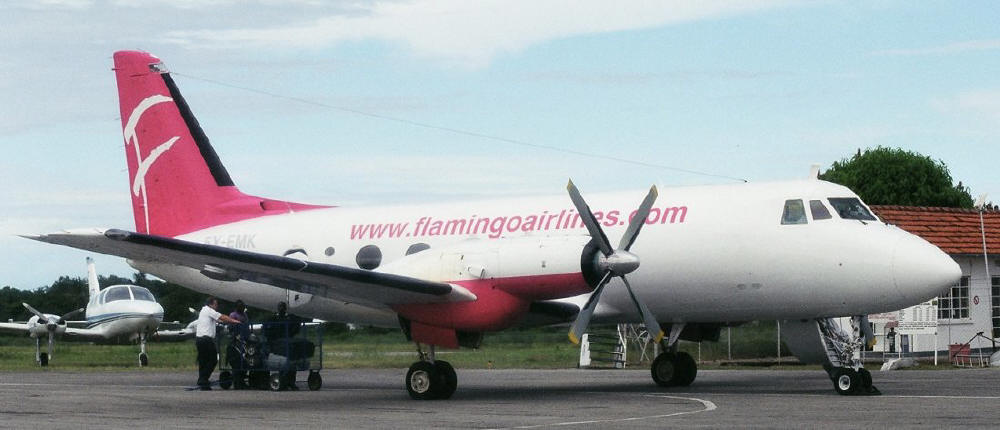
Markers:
point(417, 247)
point(329, 251)
point(369, 257)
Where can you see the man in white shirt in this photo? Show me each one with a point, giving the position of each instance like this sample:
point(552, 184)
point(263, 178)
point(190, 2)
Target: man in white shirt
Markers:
point(208, 355)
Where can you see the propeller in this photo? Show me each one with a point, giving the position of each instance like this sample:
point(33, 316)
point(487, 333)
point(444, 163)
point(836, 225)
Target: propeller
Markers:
point(613, 262)
point(44, 319)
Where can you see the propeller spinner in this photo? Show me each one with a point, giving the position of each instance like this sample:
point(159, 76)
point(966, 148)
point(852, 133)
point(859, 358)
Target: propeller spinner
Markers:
point(613, 262)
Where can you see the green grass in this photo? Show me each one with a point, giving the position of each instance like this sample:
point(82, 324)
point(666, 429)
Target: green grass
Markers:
point(540, 348)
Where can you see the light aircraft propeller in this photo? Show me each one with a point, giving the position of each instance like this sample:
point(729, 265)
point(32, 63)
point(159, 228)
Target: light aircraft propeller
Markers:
point(613, 262)
point(51, 322)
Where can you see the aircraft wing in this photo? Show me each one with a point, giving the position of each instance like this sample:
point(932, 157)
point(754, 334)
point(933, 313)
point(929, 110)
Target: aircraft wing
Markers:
point(13, 327)
point(71, 332)
point(83, 334)
point(227, 264)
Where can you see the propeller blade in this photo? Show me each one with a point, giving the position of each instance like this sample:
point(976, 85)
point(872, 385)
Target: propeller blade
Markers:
point(589, 220)
point(41, 317)
point(652, 326)
point(51, 342)
point(583, 318)
point(639, 220)
point(71, 314)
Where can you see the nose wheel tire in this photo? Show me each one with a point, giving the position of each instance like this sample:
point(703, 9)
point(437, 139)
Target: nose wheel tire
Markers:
point(143, 360)
point(846, 381)
point(674, 369)
point(43, 359)
point(849, 382)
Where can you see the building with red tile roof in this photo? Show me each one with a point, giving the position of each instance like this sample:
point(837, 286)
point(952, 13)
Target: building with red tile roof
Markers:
point(956, 231)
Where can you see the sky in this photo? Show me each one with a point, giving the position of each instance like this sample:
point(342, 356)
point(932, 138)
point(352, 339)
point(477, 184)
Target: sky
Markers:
point(367, 102)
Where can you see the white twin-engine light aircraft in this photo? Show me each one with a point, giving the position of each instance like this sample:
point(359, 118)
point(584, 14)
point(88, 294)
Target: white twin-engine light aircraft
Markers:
point(801, 252)
point(116, 312)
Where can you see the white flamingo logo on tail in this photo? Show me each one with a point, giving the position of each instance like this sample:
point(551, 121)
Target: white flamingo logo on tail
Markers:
point(139, 183)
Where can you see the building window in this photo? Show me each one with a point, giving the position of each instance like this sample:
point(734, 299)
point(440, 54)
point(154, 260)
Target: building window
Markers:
point(995, 289)
point(955, 305)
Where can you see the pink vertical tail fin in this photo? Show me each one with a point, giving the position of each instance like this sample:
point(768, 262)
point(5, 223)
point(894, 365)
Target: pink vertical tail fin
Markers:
point(177, 182)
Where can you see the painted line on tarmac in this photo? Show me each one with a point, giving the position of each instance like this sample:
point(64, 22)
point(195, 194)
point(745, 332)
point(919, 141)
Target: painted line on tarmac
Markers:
point(949, 397)
point(708, 406)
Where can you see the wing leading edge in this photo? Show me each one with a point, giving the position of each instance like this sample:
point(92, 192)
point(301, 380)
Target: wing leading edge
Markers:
point(221, 263)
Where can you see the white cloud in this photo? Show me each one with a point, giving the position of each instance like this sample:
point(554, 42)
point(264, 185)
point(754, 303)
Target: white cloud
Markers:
point(474, 33)
point(981, 107)
point(951, 48)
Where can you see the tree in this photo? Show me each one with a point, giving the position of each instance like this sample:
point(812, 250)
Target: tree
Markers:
point(885, 176)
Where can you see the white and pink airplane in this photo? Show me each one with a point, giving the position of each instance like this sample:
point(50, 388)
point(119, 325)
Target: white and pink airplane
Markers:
point(708, 257)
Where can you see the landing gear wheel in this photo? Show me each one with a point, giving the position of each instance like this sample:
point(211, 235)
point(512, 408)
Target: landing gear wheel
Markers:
point(846, 381)
point(686, 370)
point(423, 381)
point(225, 379)
point(274, 381)
point(664, 369)
point(448, 379)
point(315, 382)
point(143, 360)
point(43, 359)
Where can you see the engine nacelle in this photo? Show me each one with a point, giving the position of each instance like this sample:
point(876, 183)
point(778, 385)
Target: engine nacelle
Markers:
point(532, 268)
point(506, 275)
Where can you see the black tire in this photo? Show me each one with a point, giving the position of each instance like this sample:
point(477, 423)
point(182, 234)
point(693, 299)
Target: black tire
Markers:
point(448, 379)
point(866, 379)
point(315, 382)
point(664, 369)
point(686, 369)
point(225, 379)
point(422, 381)
point(274, 381)
point(846, 381)
point(259, 379)
point(143, 360)
point(43, 359)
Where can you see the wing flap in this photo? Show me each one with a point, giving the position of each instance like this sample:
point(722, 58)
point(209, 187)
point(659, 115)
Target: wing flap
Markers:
point(227, 264)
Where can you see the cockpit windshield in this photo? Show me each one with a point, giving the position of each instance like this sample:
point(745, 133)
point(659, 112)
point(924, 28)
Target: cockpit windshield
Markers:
point(794, 213)
point(851, 208)
point(140, 293)
point(116, 293)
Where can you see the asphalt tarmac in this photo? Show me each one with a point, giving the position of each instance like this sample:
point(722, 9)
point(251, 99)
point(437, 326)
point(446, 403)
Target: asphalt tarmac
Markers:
point(360, 398)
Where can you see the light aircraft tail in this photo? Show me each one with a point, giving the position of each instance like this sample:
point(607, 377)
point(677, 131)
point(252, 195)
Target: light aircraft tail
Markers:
point(177, 181)
point(92, 278)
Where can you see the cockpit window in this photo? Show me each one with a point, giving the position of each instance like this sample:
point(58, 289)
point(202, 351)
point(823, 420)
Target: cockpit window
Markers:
point(795, 213)
point(819, 210)
point(851, 208)
point(140, 293)
point(117, 293)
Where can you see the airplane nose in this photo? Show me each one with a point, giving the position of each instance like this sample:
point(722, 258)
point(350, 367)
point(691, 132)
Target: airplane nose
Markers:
point(921, 270)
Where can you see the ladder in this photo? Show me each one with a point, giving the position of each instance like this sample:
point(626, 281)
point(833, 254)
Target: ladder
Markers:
point(603, 349)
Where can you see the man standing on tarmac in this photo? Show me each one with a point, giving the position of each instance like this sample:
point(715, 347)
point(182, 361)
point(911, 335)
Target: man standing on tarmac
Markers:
point(208, 354)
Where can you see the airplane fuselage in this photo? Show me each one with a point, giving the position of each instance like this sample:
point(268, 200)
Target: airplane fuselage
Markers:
point(708, 253)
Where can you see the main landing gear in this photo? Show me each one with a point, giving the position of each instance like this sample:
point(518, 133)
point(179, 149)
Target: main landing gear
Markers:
point(430, 379)
point(673, 368)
